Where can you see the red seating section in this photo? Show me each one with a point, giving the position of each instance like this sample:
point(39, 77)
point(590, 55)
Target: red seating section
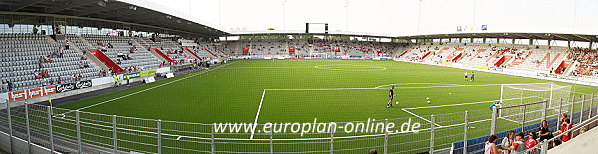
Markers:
point(106, 60)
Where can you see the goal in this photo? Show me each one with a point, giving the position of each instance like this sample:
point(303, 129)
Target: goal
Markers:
point(521, 94)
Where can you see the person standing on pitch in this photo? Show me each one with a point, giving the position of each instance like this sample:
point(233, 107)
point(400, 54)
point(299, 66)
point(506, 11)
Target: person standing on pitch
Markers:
point(115, 80)
point(472, 76)
point(128, 77)
point(465, 75)
point(392, 96)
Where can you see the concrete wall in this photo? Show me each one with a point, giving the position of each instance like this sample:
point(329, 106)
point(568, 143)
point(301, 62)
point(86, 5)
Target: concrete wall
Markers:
point(19, 145)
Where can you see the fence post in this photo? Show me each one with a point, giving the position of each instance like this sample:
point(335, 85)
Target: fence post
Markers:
point(159, 131)
point(9, 126)
point(591, 105)
point(28, 127)
point(544, 147)
point(332, 141)
point(271, 143)
point(523, 118)
point(432, 120)
point(583, 99)
point(385, 136)
point(50, 129)
point(493, 124)
point(114, 137)
point(79, 146)
point(465, 129)
point(558, 122)
point(213, 146)
point(572, 106)
point(544, 110)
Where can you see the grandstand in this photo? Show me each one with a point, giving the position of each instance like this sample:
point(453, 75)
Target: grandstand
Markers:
point(129, 76)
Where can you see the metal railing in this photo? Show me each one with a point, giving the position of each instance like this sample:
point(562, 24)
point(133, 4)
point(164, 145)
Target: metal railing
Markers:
point(68, 131)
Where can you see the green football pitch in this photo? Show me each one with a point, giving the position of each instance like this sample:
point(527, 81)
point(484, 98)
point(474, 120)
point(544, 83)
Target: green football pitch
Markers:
point(281, 91)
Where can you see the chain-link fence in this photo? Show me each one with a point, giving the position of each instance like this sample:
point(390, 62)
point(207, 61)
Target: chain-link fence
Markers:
point(72, 131)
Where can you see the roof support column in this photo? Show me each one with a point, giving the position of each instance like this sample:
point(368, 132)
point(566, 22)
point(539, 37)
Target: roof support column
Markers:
point(513, 41)
point(549, 42)
point(484, 40)
point(591, 43)
point(460, 40)
point(531, 41)
point(568, 44)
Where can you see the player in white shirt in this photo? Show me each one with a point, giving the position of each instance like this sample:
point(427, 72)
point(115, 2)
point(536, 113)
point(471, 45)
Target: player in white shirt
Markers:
point(465, 76)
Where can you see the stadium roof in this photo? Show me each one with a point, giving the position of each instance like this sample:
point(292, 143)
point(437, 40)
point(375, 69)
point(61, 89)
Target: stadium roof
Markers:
point(544, 36)
point(137, 13)
point(143, 15)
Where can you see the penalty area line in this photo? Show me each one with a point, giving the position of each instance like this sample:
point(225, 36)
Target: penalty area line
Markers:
point(421, 117)
point(257, 115)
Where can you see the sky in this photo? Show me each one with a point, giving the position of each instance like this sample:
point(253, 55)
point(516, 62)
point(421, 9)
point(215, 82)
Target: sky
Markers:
point(395, 17)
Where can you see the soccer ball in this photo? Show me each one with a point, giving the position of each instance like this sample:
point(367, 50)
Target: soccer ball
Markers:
point(397, 102)
point(428, 98)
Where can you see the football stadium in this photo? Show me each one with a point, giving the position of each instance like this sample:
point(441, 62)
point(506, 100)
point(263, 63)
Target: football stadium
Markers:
point(298, 76)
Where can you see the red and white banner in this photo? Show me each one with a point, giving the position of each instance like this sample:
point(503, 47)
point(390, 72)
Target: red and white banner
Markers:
point(31, 93)
point(292, 49)
point(245, 49)
point(17, 95)
point(49, 90)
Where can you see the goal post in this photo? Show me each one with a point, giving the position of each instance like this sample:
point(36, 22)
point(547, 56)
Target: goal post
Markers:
point(522, 94)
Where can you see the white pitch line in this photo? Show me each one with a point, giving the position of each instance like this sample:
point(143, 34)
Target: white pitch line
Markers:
point(144, 90)
point(424, 107)
point(421, 118)
point(259, 108)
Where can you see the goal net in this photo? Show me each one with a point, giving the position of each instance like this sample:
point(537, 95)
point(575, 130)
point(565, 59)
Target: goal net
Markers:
point(521, 94)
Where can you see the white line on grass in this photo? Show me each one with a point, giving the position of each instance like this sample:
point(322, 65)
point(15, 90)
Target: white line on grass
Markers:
point(424, 107)
point(449, 86)
point(144, 90)
point(421, 118)
point(257, 115)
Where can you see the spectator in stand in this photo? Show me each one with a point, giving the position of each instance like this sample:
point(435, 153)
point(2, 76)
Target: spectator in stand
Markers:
point(508, 141)
point(490, 146)
point(120, 54)
point(564, 128)
point(373, 151)
point(518, 146)
point(37, 74)
point(4, 86)
point(59, 80)
point(9, 85)
point(45, 74)
point(544, 133)
point(40, 62)
point(563, 117)
point(531, 142)
point(133, 49)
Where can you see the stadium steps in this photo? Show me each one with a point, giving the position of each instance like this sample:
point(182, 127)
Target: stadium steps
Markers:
point(526, 54)
point(164, 56)
point(95, 63)
point(571, 68)
point(189, 52)
point(581, 144)
point(206, 49)
point(106, 60)
point(221, 52)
